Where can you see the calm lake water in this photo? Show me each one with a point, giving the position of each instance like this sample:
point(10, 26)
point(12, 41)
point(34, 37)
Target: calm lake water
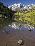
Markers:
point(9, 35)
point(6, 25)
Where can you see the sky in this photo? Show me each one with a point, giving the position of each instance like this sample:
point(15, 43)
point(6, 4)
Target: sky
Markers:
point(9, 2)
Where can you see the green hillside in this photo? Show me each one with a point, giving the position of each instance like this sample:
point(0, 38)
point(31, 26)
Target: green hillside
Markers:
point(28, 17)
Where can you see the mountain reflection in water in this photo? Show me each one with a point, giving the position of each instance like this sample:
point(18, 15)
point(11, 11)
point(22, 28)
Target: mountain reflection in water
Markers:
point(8, 25)
point(19, 27)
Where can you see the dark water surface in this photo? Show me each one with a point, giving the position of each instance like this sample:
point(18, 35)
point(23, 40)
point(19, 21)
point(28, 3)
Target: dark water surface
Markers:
point(10, 36)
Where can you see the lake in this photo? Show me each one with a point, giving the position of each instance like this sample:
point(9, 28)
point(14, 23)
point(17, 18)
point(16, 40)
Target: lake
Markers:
point(11, 32)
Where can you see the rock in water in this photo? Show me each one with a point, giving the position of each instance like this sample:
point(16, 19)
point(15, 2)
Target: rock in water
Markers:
point(20, 42)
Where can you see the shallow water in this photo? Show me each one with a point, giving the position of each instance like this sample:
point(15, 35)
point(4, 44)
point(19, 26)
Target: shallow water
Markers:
point(10, 36)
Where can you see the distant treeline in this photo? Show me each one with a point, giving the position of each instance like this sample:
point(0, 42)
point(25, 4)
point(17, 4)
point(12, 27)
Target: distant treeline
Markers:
point(5, 10)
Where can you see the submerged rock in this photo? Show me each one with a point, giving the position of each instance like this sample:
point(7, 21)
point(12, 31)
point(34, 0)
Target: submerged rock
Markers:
point(20, 42)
